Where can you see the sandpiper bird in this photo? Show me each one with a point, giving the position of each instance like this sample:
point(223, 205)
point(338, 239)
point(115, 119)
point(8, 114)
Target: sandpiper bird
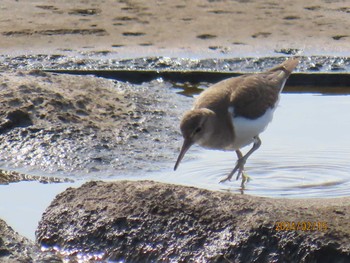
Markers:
point(232, 113)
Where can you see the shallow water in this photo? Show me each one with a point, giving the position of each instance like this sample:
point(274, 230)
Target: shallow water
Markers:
point(22, 204)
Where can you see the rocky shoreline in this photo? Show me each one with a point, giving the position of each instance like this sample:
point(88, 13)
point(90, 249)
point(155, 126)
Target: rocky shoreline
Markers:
point(84, 126)
point(147, 221)
point(78, 125)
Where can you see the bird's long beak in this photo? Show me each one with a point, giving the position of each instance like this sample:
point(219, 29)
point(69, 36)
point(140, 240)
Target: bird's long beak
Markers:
point(185, 146)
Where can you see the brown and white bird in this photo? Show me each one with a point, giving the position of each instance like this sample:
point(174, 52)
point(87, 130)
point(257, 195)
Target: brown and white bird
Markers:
point(232, 113)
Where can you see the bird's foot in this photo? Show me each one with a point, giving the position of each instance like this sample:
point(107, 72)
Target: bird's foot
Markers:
point(245, 179)
point(239, 168)
point(228, 178)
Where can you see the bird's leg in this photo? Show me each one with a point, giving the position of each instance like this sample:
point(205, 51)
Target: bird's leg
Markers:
point(240, 168)
point(245, 177)
point(241, 162)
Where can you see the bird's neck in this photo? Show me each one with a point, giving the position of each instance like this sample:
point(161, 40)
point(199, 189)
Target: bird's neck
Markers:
point(219, 133)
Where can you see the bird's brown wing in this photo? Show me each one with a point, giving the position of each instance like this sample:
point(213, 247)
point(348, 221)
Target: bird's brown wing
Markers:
point(250, 95)
point(253, 95)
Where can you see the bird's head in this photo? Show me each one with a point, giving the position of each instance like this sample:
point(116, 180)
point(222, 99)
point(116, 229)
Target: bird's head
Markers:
point(195, 128)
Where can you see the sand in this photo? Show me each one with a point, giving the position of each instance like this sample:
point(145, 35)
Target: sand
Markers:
point(165, 27)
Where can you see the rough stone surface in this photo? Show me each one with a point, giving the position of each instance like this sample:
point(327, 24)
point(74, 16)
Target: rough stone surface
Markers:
point(13, 247)
point(153, 222)
point(57, 122)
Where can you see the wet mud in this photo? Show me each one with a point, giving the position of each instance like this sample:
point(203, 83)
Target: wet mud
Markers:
point(84, 124)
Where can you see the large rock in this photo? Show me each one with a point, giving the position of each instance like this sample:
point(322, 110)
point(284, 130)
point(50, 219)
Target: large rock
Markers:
point(153, 222)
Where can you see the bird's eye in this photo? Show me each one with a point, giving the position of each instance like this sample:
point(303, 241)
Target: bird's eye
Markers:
point(197, 130)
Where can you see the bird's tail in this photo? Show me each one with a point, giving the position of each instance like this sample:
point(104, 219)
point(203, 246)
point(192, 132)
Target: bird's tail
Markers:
point(287, 66)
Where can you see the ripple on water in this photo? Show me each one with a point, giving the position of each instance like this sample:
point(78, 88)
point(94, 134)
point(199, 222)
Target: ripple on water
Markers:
point(308, 174)
point(293, 176)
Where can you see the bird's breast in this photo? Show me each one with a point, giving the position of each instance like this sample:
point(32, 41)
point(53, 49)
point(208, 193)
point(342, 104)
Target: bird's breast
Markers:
point(246, 129)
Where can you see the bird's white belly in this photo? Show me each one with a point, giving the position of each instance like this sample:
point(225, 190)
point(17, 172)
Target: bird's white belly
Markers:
point(246, 129)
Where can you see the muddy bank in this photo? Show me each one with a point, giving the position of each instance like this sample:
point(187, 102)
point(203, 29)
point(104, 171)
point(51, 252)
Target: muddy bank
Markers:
point(65, 123)
point(153, 222)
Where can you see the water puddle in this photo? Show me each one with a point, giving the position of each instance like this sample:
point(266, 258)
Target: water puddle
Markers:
point(22, 204)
